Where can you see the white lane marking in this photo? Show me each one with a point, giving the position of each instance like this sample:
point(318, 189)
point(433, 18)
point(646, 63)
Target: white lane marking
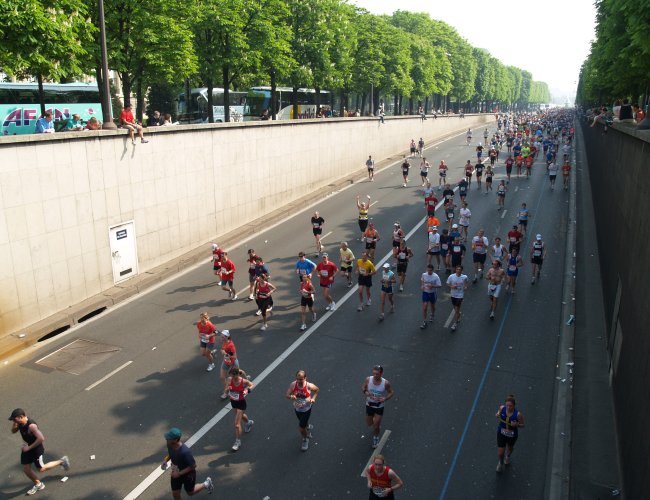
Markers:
point(105, 378)
point(450, 318)
point(325, 236)
point(376, 451)
point(503, 214)
point(157, 472)
point(516, 189)
point(53, 353)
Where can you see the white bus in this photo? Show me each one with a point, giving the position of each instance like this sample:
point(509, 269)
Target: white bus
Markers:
point(197, 110)
point(259, 99)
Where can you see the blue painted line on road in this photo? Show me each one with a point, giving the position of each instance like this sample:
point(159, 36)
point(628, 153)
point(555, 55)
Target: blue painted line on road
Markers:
point(488, 364)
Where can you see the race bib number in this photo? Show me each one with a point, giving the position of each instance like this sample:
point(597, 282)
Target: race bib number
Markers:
point(362, 271)
point(508, 433)
point(234, 395)
point(401, 256)
point(205, 339)
point(456, 249)
point(302, 271)
point(512, 268)
point(492, 287)
point(445, 246)
point(324, 273)
point(537, 253)
point(300, 404)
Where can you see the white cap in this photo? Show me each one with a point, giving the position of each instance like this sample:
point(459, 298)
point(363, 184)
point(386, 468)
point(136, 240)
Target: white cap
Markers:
point(386, 265)
point(214, 246)
point(539, 237)
point(225, 333)
point(455, 226)
point(434, 228)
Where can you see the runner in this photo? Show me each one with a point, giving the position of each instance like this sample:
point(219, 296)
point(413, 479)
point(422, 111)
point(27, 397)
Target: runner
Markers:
point(514, 261)
point(252, 261)
point(317, 228)
point(183, 473)
point(370, 165)
point(378, 390)
point(387, 282)
point(485, 135)
point(478, 169)
point(566, 171)
point(263, 290)
point(363, 208)
point(304, 266)
point(519, 163)
point(403, 255)
point(303, 394)
point(382, 480)
point(433, 248)
point(420, 146)
point(238, 388)
point(326, 271)
point(424, 171)
point(430, 203)
point(413, 147)
point(445, 242)
point(365, 270)
point(429, 283)
point(371, 236)
point(501, 194)
point(497, 251)
point(509, 163)
point(442, 174)
point(32, 450)
point(492, 153)
point(469, 136)
point(457, 282)
point(469, 170)
point(207, 336)
point(489, 173)
point(447, 194)
point(495, 277)
point(463, 186)
point(457, 250)
point(479, 253)
point(230, 361)
point(514, 239)
point(552, 173)
point(449, 212)
point(346, 261)
point(522, 216)
point(228, 276)
point(405, 171)
point(216, 259)
point(464, 216)
point(307, 292)
point(537, 256)
point(530, 159)
point(510, 421)
point(398, 236)
point(479, 151)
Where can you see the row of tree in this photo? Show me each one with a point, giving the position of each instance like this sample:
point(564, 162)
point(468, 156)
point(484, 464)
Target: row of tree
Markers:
point(320, 44)
point(617, 66)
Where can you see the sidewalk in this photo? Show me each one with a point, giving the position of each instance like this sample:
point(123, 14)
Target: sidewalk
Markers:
point(594, 470)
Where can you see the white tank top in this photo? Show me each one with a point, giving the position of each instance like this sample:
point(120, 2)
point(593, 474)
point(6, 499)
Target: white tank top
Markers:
point(376, 393)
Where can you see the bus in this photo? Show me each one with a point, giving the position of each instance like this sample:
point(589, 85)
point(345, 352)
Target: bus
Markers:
point(20, 108)
point(259, 99)
point(197, 111)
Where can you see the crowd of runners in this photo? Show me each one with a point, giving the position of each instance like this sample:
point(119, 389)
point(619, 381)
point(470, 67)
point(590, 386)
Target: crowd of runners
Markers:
point(523, 142)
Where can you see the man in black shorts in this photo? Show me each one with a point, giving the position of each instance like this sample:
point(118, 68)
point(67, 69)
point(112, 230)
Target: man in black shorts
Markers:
point(32, 449)
point(183, 466)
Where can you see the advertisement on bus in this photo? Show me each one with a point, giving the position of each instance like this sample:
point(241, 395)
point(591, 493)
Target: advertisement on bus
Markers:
point(17, 120)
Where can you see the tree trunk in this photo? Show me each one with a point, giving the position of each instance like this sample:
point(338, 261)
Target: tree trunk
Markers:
point(411, 105)
point(188, 104)
point(396, 110)
point(126, 88)
point(357, 102)
point(210, 86)
point(375, 104)
point(41, 93)
point(226, 92)
point(317, 100)
point(274, 97)
point(294, 102)
point(363, 102)
point(139, 101)
point(343, 103)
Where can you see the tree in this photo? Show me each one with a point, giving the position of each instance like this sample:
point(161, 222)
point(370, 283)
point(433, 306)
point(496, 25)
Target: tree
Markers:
point(44, 39)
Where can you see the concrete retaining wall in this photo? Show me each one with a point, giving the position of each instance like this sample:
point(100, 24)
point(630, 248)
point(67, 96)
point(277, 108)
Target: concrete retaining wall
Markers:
point(59, 194)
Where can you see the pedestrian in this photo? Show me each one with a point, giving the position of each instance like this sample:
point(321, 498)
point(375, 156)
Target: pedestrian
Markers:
point(32, 450)
point(510, 421)
point(377, 390)
point(429, 283)
point(238, 388)
point(370, 165)
point(303, 394)
point(230, 361)
point(263, 290)
point(207, 336)
point(327, 270)
point(457, 283)
point(183, 467)
point(228, 276)
point(382, 480)
point(307, 291)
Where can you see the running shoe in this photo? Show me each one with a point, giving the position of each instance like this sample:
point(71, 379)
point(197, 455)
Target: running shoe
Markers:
point(264, 327)
point(250, 297)
point(328, 307)
point(207, 484)
point(349, 284)
point(258, 313)
point(235, 297)
point(237, 445)
point(269, 309)
point(423, 325)
point(360, 308)
point(210, 367)
point(381, 317)
point(369, 302)
point(401, 288)
point(37, 487)
point(491, 314)
point(303, 327)
point(375, 441)
point(309, 429)
point(392, 309)
point(430, 318)
point(144, 141)
point(453, 327)
point(500, 466)
point(305, 444)
point(506, 459)
point(248, 426)
point(332, 306)
point(65, 462)
point(313, 317)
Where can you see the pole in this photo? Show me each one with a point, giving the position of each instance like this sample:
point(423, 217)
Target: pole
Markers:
point(106, 94)
point(372, 98)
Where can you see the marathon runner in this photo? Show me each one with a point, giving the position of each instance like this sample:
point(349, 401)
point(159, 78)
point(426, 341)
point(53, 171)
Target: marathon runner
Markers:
point(515, 237)
point(510, 421)
point(387, 282)
point(365, 270)
point(252, 276)
point(478, 168)
point(303, 394)
point(413, 147)
point(238, 388)
point(382, 480)
point(207, 336)
point(371, 236)
point(228, 276)
point(317, 228)
point(497, 251)
point(489, 173)
point(463, 186)
point(501, 194)
point(479, 253)
point(183, 473)
point(464, 216)
point(398, 236)
point(442, 174)
point(377, 390)
point(424, 171)
point(363, 208)
point(326, 271)
point(522, 216)
point(445, 242)
point(304, 266)
point(370, 165)
point(429, 283)
point(552, 174)
point(469, 170)
point(457, 283)
point(514, 261)
point(402, 256)
point(405, 171)
point(216, 260)
point(433, 247)
point(566, 171)
point(230, 361)
point(537, 256)
point(263, 290)
point(307, 292)
point(494, 277)
point(346, 261)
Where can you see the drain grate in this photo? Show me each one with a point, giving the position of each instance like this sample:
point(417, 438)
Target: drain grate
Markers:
point(78, 356)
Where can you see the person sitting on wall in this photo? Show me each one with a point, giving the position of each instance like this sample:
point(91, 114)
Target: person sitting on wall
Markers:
point(74, 124)
point(93, 124)
point(44, 124)
point(156, 120)
point(168, 121)
point(128, 122)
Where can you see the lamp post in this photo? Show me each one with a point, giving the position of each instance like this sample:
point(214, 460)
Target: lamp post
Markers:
point(107, 113)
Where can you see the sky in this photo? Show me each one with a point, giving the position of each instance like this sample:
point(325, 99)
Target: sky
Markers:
point(552, 45)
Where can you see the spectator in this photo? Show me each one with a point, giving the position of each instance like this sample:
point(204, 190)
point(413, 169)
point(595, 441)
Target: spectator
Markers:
point(421, 112)
point(128, 122)
point(74, 124)
point(265, 115)
point(156, 120)
point(93, 124)
point(617, 108)
point(167, 122)
point(625, 113)
point(44, 124)
point(639, 115)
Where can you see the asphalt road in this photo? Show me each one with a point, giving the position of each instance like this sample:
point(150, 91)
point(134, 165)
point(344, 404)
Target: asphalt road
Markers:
point(448, 385)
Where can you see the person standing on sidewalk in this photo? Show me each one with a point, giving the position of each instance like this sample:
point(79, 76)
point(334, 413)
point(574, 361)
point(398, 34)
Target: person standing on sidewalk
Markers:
point(207, 337)
point(303, 394)
point(377, 391)
point(32, 449)
point(183, 467)
point(510, 421)
point(382, 480)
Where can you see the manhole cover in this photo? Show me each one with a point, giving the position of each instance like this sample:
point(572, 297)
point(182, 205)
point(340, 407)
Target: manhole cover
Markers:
point(78, 356)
